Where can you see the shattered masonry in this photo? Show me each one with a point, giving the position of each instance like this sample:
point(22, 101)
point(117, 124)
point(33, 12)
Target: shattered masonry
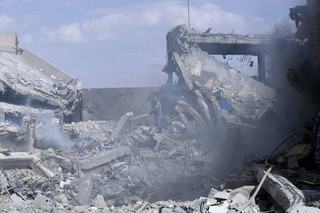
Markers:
point(63, 150)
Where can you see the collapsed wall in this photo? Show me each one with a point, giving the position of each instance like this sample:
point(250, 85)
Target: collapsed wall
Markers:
point(31, 87)
point(213, 98)
point(212, 116)
point(199, 71)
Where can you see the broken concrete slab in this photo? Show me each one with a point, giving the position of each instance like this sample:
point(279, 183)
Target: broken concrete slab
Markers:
point(62, 199)
point(249, 98)
point(85, 191)
point(37, 166)
point(16, 160)
point(181, 40)
point(104, 158)
point(197, 117)
point(236, 181)
point(28, 82)
point(305, 209)
point(223, 208)
point(182, 71)
point(99, 202)
point(203, 107)
point(22, 160)
point(222, 195)
point(42, 203)
point(238, 200)
point(121, 124)
point(183, 117)
point(280, 188)
point(213, 106)
point(164, 141)
point(17, 200)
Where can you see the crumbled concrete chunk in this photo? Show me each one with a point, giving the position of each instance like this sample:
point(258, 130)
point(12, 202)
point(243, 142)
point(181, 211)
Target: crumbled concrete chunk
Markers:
point(99, 202)
point(105, 158)
point(121, 124)
point(222, 195)
point(42, 202)
point(238, 200)
point(223, 208)
point(17, 200)
point(85, 191)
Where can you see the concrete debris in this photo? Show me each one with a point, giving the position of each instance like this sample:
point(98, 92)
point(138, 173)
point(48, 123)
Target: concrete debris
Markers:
point(42, 203)
point(217, 90)
point(222, 195)
point(121, 124)
point(281, 189)
point(107, 157)
point(236, 181)
point(17, 200)
point(85, 190)
point(99, 202)
point(54, 160)
point(178, 127)
point(219, 208)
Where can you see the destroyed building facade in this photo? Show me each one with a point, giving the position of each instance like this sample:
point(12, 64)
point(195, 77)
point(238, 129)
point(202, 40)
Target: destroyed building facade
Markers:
point(67, 149)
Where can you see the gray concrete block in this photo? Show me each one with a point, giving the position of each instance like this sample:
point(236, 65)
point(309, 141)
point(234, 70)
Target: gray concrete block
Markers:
point(280, 188)
point(85, 190)
point(121, 125)
point(105, 158)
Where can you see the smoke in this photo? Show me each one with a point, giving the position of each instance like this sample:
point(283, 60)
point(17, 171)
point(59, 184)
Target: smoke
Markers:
point(48, 134)
point(287, 60)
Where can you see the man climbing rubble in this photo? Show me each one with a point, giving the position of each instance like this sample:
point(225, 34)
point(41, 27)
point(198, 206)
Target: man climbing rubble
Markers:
point(157, 112)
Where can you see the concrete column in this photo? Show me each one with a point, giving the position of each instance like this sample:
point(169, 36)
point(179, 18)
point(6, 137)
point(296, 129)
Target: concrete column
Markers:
point(261, 67)
point(29, 126)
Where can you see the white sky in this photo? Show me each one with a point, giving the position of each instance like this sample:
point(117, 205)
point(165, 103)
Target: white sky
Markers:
point(113, 43)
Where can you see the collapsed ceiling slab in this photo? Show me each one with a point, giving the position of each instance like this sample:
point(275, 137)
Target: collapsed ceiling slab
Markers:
point(240, 98)
point(26, 80)
point(249, 98)
point(181, 40)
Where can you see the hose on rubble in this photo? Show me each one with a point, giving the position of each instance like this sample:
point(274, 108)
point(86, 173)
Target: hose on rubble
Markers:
point(283, 142)
point(270, 167)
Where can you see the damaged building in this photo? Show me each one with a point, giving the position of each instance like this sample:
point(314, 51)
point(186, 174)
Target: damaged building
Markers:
point(68, 149)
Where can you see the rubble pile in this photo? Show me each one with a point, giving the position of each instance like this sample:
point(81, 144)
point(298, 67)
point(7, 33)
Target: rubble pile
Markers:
point(132, 168)
point(214, 91)
point(24, 84)
point(97, 174)
point(207, 118)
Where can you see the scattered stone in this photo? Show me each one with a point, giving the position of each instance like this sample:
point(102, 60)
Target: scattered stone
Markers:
point(62, 199)
point(99, 202)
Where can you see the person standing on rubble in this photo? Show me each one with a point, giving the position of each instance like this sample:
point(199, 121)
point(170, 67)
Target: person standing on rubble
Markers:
point(157, 112)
